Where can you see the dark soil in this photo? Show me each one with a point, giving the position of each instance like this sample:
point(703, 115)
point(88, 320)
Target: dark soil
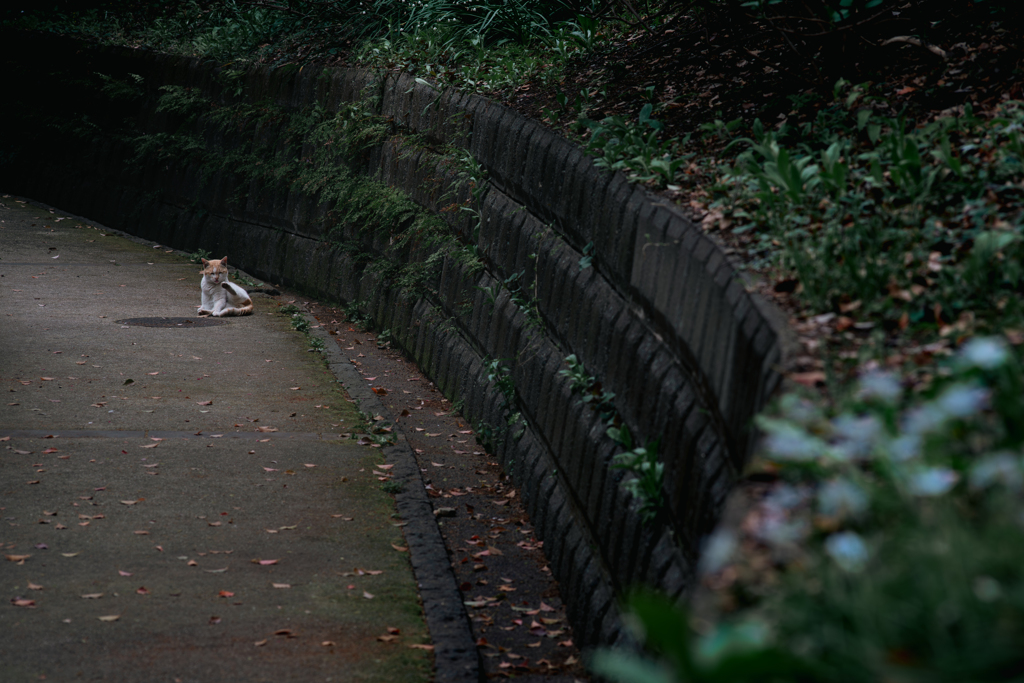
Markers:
point(517, 616)
point(715, 69)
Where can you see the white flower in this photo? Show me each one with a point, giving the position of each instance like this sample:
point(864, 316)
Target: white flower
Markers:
point(842, 498)
point(783, 534)
point(777, 525)
point(997, 468)
point(883, 386)
point(848, 550)
point(800, 410)
point(905, 447)
point(987, 589)
point(923, 419)
point(857, 435)
point(933, 481)
point(718, 551)
point(963, 401)
point(786, 441)
point(984, 352)
point(785, 497)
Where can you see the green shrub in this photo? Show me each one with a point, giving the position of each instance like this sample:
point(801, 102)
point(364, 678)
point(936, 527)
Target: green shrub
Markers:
point(918, 223)
point(623, 145)
point(890, 546)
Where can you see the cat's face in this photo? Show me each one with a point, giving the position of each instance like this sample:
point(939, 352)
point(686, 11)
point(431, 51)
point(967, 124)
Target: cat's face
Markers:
point(215, 271)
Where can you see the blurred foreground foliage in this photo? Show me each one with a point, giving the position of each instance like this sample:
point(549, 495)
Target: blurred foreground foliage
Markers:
point(889, 546)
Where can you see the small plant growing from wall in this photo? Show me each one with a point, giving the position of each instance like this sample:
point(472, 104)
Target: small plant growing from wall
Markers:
point(501, 376)
point(648, 473)
point(641, 461)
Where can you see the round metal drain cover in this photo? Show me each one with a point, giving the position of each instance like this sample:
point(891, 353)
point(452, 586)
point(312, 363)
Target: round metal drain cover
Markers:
point(172, 322)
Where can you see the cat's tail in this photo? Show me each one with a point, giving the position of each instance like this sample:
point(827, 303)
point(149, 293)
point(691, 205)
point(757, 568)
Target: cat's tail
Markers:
point(237, 310)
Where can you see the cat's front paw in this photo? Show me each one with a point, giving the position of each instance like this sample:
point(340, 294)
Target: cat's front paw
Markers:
point(203, 314)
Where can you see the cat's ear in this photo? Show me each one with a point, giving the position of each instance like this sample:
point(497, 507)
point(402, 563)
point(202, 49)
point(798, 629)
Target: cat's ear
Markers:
point(224, 260)
point(205, 262)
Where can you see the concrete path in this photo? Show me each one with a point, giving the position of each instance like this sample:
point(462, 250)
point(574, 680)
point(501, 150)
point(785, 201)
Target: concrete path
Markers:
point(178, 503)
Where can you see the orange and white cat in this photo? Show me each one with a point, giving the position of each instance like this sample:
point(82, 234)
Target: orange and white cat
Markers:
point(221, 297)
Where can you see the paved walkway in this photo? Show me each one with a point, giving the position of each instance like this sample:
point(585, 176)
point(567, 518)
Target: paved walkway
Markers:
point(178, 503)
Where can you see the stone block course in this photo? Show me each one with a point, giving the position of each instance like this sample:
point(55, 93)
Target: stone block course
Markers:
point(598, 465)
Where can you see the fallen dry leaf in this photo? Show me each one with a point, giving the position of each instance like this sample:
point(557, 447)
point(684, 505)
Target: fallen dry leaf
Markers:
point(419, 646)
point(17, 558)
point(260, 643)
point(23, 602)
point(92, 596)
point(368, 596)
point(128, 502)
point(400, 548)
point(808, 379)
point(34, 586)
point(387, 638)
point(328, 643)
point(281, 585)
point(204, 403)
point(265, 562)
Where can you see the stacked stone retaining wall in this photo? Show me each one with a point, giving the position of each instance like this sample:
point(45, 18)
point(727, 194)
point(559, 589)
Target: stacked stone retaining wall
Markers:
point(660, 317)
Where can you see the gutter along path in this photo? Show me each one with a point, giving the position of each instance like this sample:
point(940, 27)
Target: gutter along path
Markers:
point(182, 503)
point(518, 620)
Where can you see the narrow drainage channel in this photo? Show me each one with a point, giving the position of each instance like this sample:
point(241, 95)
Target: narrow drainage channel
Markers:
point(502, 581)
